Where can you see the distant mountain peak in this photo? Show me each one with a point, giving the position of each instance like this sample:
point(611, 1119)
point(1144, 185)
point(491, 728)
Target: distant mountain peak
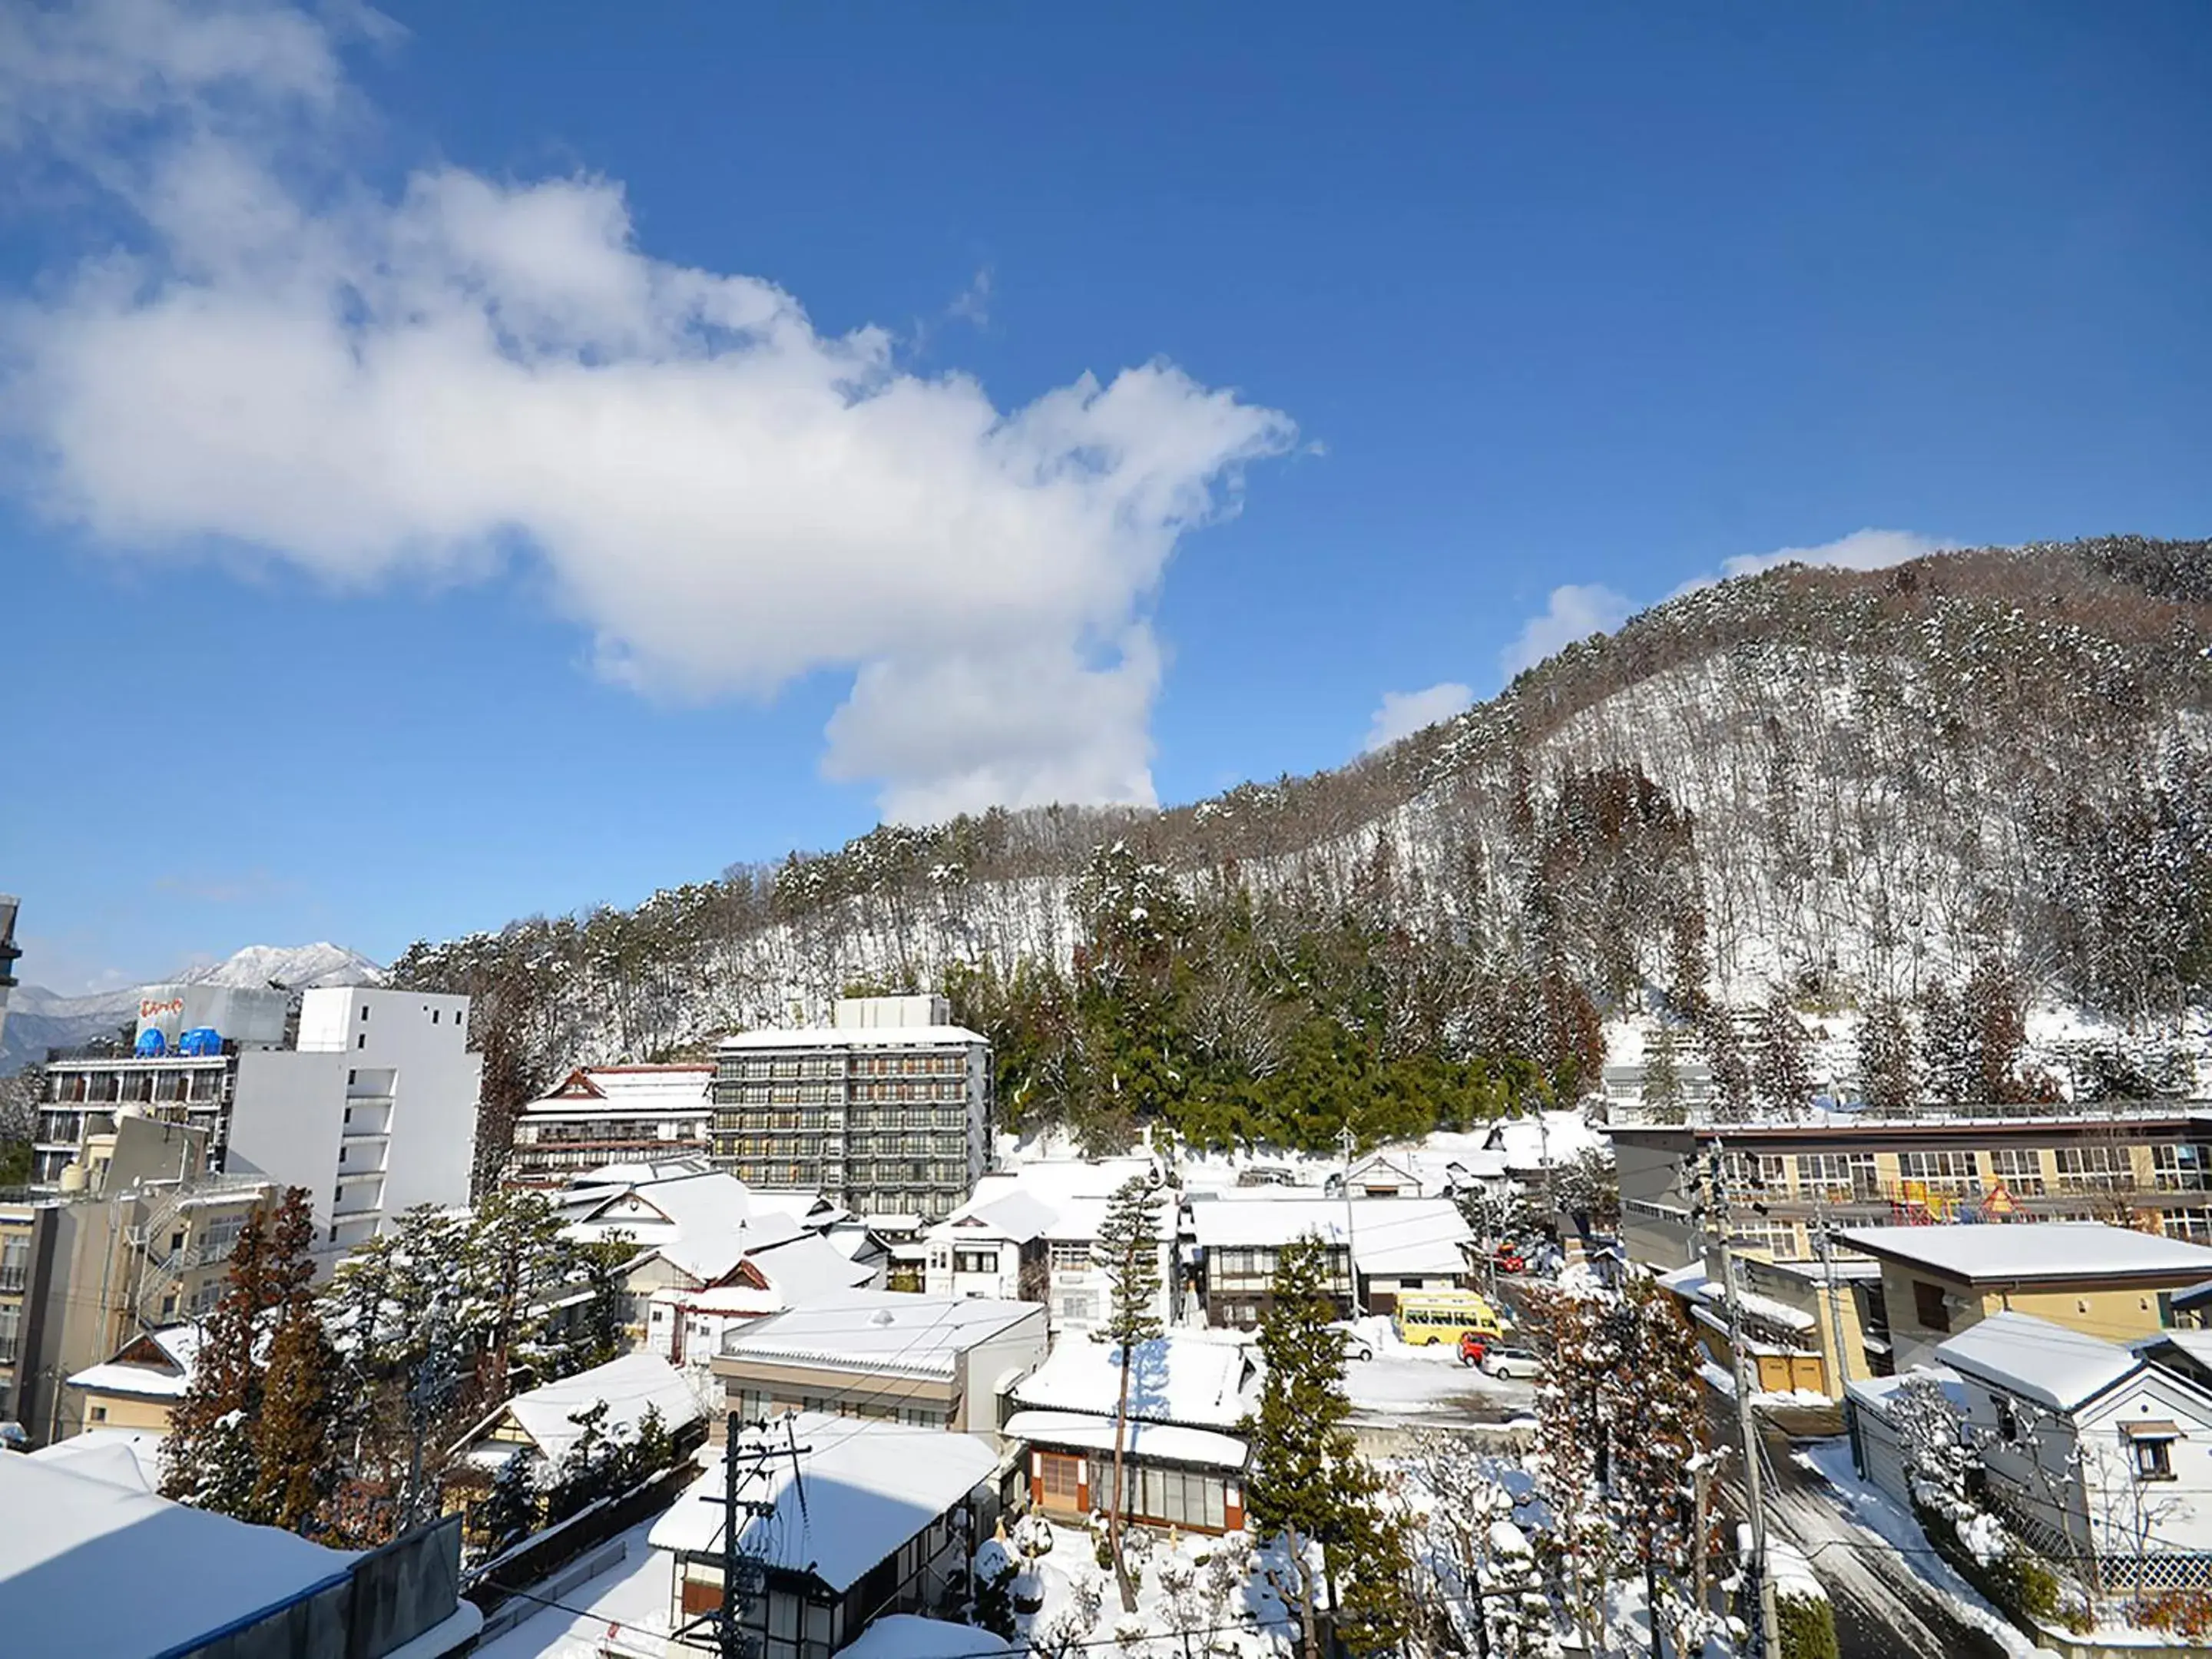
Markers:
point(295, 967)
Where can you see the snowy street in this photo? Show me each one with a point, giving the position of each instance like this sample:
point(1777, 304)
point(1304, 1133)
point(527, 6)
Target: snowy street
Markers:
point(1428, 1386)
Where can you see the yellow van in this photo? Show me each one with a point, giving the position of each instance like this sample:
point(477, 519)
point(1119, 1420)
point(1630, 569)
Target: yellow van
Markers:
point(1424, 1317)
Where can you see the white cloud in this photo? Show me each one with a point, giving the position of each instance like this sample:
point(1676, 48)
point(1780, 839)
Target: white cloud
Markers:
point(1404, 713)
point(374, 388)
point(1574, 611)
point(1862, 549)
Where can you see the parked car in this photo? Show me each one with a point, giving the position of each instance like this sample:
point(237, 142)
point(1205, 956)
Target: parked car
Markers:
point(1356, 1343)
point(1472, 1344)
point(1509, 1260)
point(1512, 1362)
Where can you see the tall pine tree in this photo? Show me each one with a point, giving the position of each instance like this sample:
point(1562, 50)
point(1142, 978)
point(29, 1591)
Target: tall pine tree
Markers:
point(1127, 1250)
point(1306, 1484)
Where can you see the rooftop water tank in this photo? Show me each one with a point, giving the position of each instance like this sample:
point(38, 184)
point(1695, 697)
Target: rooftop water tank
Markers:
point(74, 1178)
point(150, 1045)
point(200, 1040)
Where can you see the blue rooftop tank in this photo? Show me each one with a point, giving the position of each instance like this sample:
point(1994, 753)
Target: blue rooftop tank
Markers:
point(200, 1040)
point(150, 1044)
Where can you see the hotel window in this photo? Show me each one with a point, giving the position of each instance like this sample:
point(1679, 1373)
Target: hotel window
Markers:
point(974, 1261)
point(2020, 1169)
point(1760, 1171)
point(2194, 1224)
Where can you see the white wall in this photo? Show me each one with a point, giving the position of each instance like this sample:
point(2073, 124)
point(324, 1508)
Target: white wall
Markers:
point(289, 1120)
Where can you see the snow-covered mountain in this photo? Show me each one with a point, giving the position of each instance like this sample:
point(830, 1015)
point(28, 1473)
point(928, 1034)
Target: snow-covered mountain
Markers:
point(38, 1020)
point(1833, 786)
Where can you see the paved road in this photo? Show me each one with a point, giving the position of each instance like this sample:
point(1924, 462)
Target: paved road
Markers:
point(1884, 1609)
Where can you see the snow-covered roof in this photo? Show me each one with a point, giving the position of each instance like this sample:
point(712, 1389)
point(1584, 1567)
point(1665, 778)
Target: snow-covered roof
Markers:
point(910, 1636)
point(1016, 1216)
point(156, 1364)
point(1878, 1394)
point(1390, 1236)
point(589, 1183)
point(96, 1570)
point(1544, 1139)
point(1168, 1442)
point(1174, 1379)
point(861, 1489)
point(2014, 1251)
point(130, 1458)
point(888, 1332)
point(1692, 1283)
point(855, 1036)
point(2038, 1360)
point(627, 1090)
point(629, 1386)
point(808, 1266)
point(1053, 1179)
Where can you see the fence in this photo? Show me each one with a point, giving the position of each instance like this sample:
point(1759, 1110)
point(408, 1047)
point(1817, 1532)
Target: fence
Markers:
point(544, 1553)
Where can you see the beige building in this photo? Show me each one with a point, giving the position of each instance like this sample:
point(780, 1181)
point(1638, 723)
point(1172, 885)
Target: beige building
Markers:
point(1791, 1314)
point(2145, 1168)
point(139, 1386)
point(2107, 1282)
point(136, 1250)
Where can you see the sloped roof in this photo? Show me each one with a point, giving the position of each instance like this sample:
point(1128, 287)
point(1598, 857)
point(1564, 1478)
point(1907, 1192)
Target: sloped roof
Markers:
point(1017, 1216)
point(2038, 1360)
point(629, 1386)
point(1171, 1443)
point(910, 1636)
point(1174, 1379)
point(1542, 1139)
point(808, 1266)
point(1389, 1235)
point(642, 1090)
point(857, 1490)
point(156, 1365)
point(130, 1458)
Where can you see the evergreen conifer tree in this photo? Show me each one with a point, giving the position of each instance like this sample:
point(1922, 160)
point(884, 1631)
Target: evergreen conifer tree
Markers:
point(509, 1511)
point(1301, 1450)
point(1782, 1070)
point(1127, 1250)
point(1889, 1078)
point(295, 1454)
point(1663, 1075)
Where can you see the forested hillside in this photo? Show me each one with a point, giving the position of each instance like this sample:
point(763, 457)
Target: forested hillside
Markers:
point(1921, 799)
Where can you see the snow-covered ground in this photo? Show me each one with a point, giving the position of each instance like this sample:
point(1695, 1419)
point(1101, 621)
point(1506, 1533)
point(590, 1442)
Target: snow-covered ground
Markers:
point(1428, 1382)
point(1848, 1537)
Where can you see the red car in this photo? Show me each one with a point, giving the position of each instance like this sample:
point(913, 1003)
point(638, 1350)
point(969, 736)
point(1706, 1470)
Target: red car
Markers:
point(1510, 1260)
point(1472, 1344)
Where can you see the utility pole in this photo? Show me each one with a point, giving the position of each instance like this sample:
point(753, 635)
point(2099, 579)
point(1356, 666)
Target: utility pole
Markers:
point(1769, 1635)
point(1350, 1266)
point(742, 1577)
point(1835, 1298)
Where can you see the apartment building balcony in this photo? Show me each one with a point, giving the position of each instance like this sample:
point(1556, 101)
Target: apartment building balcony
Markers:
point(13, 1281)
point(366, 1119)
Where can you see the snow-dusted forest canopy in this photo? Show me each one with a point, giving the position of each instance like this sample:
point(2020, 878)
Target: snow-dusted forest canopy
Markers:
point(1833, 791)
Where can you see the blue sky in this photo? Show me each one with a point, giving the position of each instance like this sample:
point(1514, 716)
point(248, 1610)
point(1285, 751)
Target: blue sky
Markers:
point(475, 498)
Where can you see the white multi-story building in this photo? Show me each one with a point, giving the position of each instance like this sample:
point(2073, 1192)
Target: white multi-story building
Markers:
point(374, 1112)
point(885, 1110)
point(1031, 1234)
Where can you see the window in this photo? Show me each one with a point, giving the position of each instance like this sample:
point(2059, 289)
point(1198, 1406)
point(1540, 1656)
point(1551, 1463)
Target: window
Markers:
point(974, 1261)
point(1929, 1306)
point(2020, 1169)
point(2181, 1168)
point(2194, 1224)
point(2154, 1458)
point(364, 1010)
point(1838, 1175)
point(362, 1042)
point(1069, 1256)
point(2093, 1169)
point(100, 1413)
point(1078, 1307)
point(2007, 1418)
point(1954, 1171)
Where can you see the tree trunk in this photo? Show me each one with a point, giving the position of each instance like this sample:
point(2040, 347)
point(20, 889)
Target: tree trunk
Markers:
point(1118, 1500)
point(1307, 1622)
point(1651, 1602)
